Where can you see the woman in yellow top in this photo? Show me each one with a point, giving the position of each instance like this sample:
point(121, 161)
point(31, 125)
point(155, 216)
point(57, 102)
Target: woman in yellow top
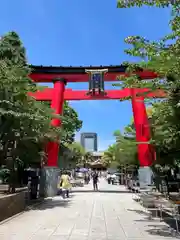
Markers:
point(65, 184)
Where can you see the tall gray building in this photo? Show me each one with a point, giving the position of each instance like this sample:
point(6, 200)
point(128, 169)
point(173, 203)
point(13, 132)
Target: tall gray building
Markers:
point(89, 141)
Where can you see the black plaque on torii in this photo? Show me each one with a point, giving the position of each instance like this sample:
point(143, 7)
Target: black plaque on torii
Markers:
point(96, 81)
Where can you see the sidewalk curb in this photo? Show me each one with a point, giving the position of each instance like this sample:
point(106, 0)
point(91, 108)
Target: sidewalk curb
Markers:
point(27, 208)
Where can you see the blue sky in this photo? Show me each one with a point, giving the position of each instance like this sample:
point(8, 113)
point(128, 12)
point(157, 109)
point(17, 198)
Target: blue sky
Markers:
point(83, 32)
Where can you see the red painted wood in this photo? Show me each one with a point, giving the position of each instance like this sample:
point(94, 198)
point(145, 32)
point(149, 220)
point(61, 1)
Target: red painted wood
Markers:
point(146, 152)
point(57, 105)
point(45, 95)
point(109, 77)
point(69, 94)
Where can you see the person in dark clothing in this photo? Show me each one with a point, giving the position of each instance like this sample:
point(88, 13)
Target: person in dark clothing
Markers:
point(95, 181)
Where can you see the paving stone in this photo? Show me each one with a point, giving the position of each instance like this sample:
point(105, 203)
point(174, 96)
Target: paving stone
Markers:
point(88, 215)
point(58, 237)
point(78, 237)
point(95, 237)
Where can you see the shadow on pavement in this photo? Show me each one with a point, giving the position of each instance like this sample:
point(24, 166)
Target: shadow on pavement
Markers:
point(162, 231)
point(138, 211)
point(99, 191)
point(53, 202)
point(168, 229)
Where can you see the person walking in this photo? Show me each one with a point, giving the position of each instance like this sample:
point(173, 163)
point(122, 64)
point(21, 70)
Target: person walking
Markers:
point(109, 178)
point(95, 181)
point(86, 178)
point(65, 184)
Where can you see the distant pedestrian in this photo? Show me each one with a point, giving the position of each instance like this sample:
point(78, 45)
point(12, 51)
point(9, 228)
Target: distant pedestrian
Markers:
point(109, 178)
point(65, 184)
point(95, 180)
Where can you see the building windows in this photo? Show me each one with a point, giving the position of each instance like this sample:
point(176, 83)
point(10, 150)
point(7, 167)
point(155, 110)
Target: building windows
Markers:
point(89, 144)
point(89, 141)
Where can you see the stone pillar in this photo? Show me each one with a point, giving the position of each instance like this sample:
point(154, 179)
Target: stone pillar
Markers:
point(146, 153)
point(49, 174)
point(48, 181)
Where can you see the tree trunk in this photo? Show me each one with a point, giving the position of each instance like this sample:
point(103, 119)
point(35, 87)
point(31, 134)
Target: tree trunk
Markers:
point(11, 167)
point(12, 176)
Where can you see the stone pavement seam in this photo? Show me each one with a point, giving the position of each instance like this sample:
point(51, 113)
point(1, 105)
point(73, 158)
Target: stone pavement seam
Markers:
point(90, 222)
point(126, 210)
point(121, 224)
point(105, 220)
point(73, 227)
point(88, 216)
point(52, 232)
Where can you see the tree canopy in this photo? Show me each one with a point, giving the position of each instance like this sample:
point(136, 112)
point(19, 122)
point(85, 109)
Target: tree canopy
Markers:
point(162, 57)
point(25, 123)
point(70, 123)
point(78, 154)
point(124, 151)
point(140, 3)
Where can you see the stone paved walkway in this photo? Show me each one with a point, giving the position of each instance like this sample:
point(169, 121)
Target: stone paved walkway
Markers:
point(107, 215)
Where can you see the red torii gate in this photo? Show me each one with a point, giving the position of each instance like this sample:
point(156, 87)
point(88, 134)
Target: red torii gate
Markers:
point(58, 94)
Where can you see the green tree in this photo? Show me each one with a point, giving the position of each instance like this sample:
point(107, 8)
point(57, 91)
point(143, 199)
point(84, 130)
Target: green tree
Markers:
point(127, 145)
point(124, 151)
point(88, 157)
point(140, 3)
point(71, 124)
point(162, 57)
point(25, 123)
point(76, 152)
point(111, 156)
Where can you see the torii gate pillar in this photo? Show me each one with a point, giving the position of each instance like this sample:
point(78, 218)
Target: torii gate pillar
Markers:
point(146, 152)
point(57, 106)
point(50, 173)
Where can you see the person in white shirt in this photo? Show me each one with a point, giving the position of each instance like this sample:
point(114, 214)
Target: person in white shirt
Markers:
point(113, 177)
